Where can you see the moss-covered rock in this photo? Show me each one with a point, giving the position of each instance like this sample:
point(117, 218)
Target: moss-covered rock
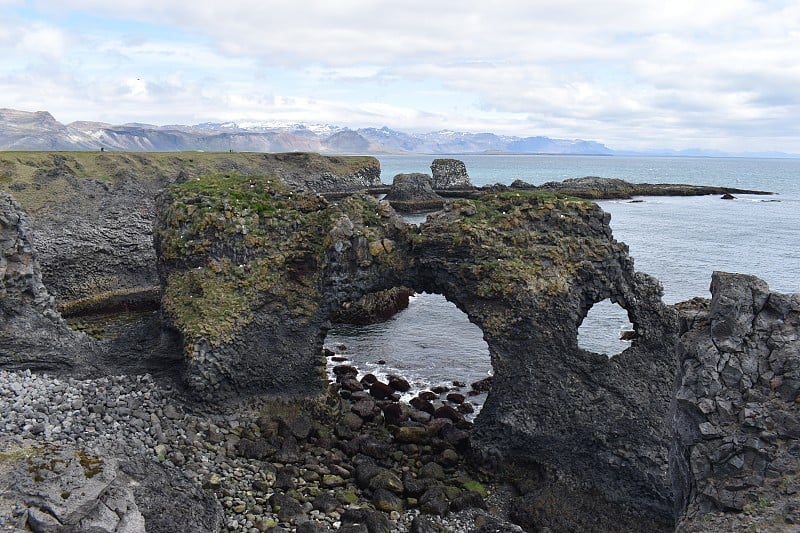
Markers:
point(253, 271)
point(250, 269)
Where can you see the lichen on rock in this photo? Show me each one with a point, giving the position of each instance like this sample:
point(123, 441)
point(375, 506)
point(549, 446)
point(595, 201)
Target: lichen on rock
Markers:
point(243, 260)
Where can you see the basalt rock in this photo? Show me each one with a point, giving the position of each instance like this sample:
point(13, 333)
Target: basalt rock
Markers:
point(736, 414)
point(93, 212)
point(374, 307)
point(252, 272)
point(73, 490)
point(595, 188)
point(32, 333)
point(413, 192)
point(527, 268)
point(449, 174)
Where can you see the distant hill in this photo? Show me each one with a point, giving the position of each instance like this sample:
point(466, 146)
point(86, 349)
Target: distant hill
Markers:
point(22, 130)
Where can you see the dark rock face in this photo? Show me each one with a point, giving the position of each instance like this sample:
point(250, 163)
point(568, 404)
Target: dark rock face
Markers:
point(251, 292)
point(375, 307)
point(32, 333)
point(527, 269)
point(413, 192)
point(449, 174)
point(253, 271)
point(736, 413)
point(595, 188)
point(93, 212)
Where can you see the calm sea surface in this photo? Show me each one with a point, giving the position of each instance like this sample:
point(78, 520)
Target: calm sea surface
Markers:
point(679, 240)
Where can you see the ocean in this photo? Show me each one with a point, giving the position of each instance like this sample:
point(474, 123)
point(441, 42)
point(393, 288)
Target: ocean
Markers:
point(679, 240)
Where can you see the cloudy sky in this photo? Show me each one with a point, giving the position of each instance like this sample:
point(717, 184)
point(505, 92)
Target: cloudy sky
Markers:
point(633, 74)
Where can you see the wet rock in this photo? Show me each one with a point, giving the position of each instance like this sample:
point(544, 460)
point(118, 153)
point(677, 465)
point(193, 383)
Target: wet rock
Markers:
point(423, 405)
point(381, 391)
point(449, 413)
point(399, 384)
point(455, 397)
point(483, 385)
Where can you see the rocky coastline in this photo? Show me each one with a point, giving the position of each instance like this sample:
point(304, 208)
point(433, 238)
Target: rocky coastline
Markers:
point(215, 412)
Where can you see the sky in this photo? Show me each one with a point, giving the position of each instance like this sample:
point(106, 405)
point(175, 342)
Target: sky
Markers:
point(632, 74)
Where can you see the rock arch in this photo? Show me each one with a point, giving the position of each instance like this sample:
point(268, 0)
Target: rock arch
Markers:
point(252, 271)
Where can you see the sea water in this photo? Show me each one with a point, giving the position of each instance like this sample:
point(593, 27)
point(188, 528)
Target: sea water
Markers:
point(679, 240)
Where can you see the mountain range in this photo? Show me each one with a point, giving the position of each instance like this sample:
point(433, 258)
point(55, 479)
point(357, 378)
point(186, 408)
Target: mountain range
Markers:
point(24, 130)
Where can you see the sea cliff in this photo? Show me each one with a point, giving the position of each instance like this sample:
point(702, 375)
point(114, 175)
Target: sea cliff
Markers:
point(694, 425)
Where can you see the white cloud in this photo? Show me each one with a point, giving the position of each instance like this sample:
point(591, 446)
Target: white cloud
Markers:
point(625, 72)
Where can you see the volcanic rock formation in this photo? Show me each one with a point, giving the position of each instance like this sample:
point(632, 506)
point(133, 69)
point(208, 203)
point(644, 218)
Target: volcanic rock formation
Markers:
point(32, 333)
point(93, 212)
point(736, 412)
point(252, 272)
point(449, 174)
point(413, 192)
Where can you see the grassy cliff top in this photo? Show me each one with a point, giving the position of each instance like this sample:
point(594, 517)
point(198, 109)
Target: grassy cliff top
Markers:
point(34, 177)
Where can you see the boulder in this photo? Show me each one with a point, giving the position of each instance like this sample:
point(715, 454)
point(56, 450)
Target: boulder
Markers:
point(67, 489)
point(449, 174)
point(413, 193)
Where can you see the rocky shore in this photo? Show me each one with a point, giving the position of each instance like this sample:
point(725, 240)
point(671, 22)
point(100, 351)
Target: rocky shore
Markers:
point(214, 412)
point(358, 463)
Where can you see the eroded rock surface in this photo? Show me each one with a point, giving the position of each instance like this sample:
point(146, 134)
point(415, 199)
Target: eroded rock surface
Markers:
point(736, 414)
point(572, 426)
point(93, 211)
point(66, 489)
point(32, 333)
point(413, 192)
point(449, 174)
point(252, 272)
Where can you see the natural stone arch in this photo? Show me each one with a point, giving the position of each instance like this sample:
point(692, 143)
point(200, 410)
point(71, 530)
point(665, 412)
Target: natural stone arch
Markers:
point(597, 334)
point(524, 267)
point(428, 338)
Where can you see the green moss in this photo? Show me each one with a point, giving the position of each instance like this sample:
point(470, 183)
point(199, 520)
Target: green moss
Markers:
point(474, 486)
point(91, 465)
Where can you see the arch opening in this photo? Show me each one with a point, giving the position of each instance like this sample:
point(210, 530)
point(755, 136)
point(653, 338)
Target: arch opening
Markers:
point(431, 344)
point(606, 329)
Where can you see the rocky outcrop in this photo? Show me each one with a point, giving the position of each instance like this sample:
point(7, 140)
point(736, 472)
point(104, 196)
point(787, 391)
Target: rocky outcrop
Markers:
point(252, 272)
point(374, 307)
point(736, 413)
point(412, 193)
point(594, 188)
point(62, 489)
point(449, 174)
point(93, 211)
point(570, 425)
point(32, 333)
